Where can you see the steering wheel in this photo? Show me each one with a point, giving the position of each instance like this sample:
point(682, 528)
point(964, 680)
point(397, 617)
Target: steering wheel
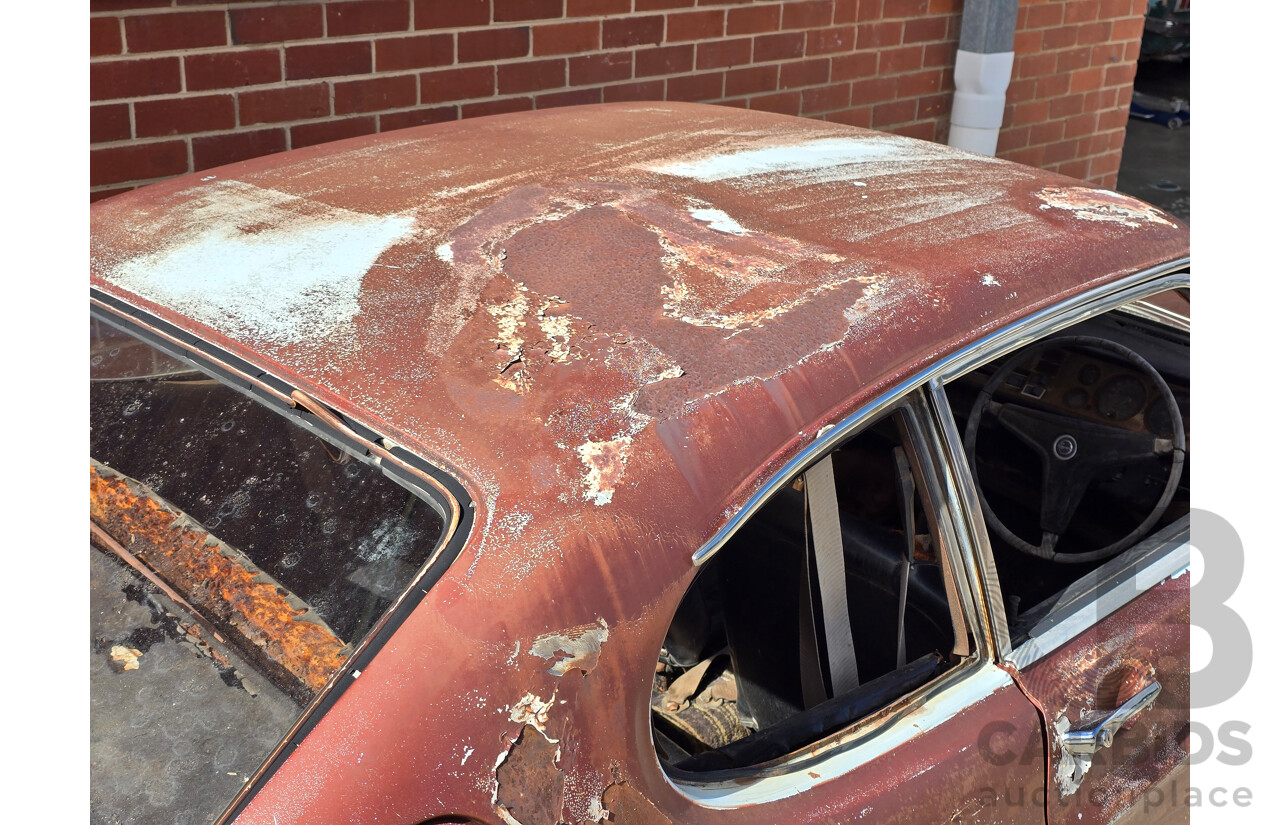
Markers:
point(1074, 452)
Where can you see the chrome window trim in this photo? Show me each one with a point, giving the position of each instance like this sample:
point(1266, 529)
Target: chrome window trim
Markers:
point(1160, 315)
point(1036, 325)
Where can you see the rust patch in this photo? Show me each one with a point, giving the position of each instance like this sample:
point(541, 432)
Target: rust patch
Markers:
point(530, 786)
point(1101, 206)
point(580, 646)
point(605, 462)
point(275, 627)
point(626, 805)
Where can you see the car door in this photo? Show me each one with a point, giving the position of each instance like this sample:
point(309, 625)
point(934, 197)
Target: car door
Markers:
point(1105, 658)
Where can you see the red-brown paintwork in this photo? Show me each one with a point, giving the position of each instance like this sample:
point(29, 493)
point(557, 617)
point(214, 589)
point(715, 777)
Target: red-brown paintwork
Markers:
point(598, 370)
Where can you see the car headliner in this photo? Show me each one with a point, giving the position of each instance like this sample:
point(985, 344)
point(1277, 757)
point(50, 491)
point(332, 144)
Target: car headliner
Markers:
point(611, 313)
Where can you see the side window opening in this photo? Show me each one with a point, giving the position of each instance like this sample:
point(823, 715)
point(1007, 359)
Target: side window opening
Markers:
point(1079, 445)
point(813, 616)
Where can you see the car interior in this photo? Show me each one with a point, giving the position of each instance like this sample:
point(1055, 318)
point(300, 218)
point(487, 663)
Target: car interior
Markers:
point(1078, 446)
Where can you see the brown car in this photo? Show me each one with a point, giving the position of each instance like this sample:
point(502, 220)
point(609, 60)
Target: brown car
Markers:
point(637, 463)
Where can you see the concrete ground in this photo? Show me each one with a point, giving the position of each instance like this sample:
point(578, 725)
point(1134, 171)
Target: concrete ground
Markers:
point(1156, 163)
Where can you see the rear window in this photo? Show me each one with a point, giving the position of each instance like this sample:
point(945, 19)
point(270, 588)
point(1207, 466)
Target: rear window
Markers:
point(236, 561)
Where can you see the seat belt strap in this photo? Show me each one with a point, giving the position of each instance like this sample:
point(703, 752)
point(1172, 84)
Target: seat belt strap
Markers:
point(828, 548)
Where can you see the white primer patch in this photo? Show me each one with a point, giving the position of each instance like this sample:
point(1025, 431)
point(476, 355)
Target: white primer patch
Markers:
point(797, 157)
point(580, 646)
point(262, 264)
point(719, 221)
point(445, 252)
point(989, 280)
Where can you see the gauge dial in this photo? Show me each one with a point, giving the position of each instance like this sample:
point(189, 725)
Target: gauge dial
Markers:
point(1121, 398)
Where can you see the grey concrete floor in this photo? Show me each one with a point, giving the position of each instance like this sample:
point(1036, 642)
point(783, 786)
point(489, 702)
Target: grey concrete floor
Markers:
point(1156, 162)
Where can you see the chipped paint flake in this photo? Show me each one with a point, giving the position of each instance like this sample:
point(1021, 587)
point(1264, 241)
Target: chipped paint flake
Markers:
point(532, 711)
point(261, 264)
point(989, 280)
point(445, 252)
point(1101, 206)
point(718, 220)
point(605, 462)
point(580, 646)
point(819, 156)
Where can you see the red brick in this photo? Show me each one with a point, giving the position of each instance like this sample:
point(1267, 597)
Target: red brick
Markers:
point(1074, 169)
point(1081, 125)
point(497, 107)
point(420, 52)
point(880, 35)
point(1011, 139)
point(309, 134)
point(375, 94)
point(1105, 167)
point(695, 25)
point(858, 116)
point(1093, 33)
point(664, 60)
point(1066, 106)
point(919, 131)
point(696, 87)
point(184, 115)
point(747, 81)
point(1031, 112)
point(531, 76)
point(1036, 65)
point(807, 14)
point(886, 114)
point(934, 105)
point(1020, 90)
point(1086, 80)
point(217, 150)
point(104, 36)
point(622, 32)
point(509, 11)
point(945, 6)
point(327, 60)
point(109, 122)
point(599, 68)
point(874, 90)
point(133, 78)
point(1107, 54)
point(573, 97)
point(830, 40)
point(1027, 42)
point(924, 29)
point(853, 66)
point(1052, 86)
point(1116, 118)
point(1072, 59)
point(391, 121)
point(1058, 152)
point(566, 38)
point(1047, 132)
point(778, 46)
point(456, 84)
point(645, 90)
point(281, 105)
point(752, 20)
point(846, 11)
point(736, 102)
point(1044, 16)
point(1120, 75)
point(657, 5)
point(905, 8)
point(1112, 9)
point(1062, 37)
point(785, 103)
point(870, 10)
point(1099, 100)
point(1124, 96)
point(1081, 11)
point(448, 14)
point(1031, 156)
point(175, 30)
point(722, 53)
point(596, 8)
point(367, 17)
point(493, 44)
point(123, 5)
point(824, 98)
point(920, 83)
point(902, 59)
point(1132, 49)
point(272, 24)
point(117, 164)
point(804, 73)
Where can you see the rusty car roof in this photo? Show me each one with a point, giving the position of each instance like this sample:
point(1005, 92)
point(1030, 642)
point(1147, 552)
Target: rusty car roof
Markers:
point(608, 320)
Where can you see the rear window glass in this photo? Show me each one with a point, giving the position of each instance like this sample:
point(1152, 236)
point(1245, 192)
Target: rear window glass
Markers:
point(237, 559)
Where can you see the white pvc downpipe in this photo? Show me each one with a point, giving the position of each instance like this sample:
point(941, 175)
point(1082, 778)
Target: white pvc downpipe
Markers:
point(984, 65)
point(978, 107)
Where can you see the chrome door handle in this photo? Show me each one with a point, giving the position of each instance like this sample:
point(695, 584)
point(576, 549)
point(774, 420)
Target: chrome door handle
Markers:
point(1098, 730)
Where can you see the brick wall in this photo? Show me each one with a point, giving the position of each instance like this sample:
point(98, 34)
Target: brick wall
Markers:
point(178, 86)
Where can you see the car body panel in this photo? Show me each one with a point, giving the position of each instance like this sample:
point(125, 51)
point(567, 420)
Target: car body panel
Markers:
point(568, 311)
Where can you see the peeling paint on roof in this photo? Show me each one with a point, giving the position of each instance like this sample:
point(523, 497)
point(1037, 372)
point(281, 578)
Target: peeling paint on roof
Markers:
point(809, 156)
point(1101, 206)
